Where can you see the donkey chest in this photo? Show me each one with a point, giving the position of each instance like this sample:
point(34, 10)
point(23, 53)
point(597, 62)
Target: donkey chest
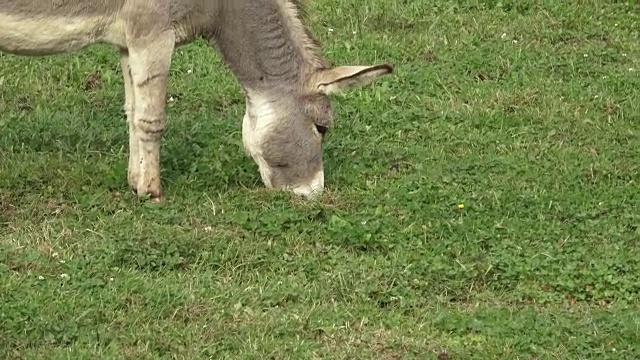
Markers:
point(49, 35)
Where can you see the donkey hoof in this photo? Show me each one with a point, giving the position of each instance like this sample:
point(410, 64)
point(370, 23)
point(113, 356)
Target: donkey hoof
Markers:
point(153, 195)
point(133, 182)
point(157, 200)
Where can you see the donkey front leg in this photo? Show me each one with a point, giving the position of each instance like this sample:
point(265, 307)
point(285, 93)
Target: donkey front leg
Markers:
point(149, 61)
point(129, 109)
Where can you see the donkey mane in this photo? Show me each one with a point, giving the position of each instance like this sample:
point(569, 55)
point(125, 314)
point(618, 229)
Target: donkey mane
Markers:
point(295, 13)
point(272, 53)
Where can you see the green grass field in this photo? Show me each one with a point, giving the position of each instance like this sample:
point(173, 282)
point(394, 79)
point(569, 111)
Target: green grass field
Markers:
point(527, 112)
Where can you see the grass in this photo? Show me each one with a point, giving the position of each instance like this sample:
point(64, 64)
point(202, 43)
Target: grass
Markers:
point(526, 112)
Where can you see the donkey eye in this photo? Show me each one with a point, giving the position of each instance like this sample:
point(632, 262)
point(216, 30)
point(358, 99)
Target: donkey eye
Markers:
point(322, 129)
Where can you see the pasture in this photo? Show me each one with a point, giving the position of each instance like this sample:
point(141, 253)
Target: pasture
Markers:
point(481, 203)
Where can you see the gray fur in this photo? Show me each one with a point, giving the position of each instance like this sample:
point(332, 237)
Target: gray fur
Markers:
point(264, 43)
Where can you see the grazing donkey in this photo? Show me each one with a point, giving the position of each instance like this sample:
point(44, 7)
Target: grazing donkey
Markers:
point(264, 43)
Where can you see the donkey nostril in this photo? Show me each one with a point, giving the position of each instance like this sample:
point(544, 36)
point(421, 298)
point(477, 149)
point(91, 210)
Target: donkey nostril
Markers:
point(307, 192)
point(312, 189)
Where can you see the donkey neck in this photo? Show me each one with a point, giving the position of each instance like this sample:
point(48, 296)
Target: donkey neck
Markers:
point(266, 45)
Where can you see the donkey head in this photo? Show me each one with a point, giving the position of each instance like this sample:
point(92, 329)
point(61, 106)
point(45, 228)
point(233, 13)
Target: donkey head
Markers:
point(283, 129)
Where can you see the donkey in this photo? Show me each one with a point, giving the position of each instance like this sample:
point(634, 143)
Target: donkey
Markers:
point(264, 43)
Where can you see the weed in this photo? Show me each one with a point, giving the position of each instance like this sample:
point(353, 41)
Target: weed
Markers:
point(482, 203)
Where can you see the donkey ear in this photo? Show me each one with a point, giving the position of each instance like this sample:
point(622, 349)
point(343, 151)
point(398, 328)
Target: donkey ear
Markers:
point(339, 78)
